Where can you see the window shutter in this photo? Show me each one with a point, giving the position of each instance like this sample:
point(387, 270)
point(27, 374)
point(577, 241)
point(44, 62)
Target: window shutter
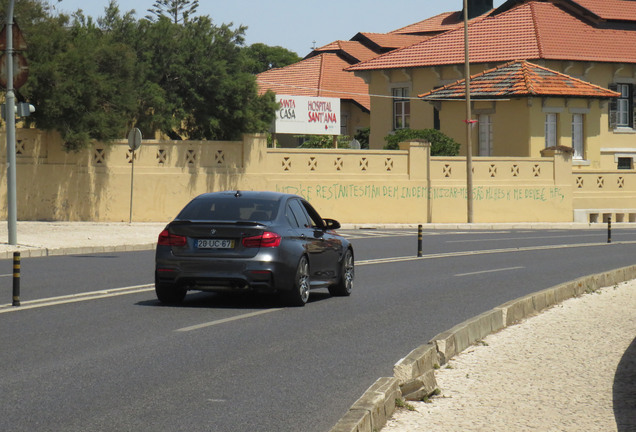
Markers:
point(613, 108)
point(632, 104)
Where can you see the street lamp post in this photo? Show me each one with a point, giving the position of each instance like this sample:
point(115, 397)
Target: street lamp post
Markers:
point(12, 214)
point(469, 123)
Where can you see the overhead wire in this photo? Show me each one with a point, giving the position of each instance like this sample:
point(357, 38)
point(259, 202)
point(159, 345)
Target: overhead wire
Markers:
point(377, 95)
point(335, 91)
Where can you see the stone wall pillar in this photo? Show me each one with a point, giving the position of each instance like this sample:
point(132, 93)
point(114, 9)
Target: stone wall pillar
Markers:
point(420, 168)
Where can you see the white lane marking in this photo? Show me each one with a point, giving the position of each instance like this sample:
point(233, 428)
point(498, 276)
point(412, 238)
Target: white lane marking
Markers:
point(489, 271)
point(522, 238)
point(74, 298)
point(227, 320)
point(484, 252)
point(6, 275)
point(374, 235)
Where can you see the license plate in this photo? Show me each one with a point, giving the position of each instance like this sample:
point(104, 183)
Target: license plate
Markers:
point(214, 244)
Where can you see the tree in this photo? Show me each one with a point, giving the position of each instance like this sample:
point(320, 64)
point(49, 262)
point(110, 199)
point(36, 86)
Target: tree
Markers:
point(262, 57)
point(197, 83)
point(93, 80)
point(81, 81)
point(178, 11)
point(441, 145)
point(26, 12)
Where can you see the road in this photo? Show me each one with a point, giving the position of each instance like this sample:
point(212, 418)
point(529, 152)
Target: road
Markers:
point(115, 360)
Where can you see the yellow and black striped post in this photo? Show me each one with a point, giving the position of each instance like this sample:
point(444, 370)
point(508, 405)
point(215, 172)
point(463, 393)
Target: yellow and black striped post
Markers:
point(609, 229)
point(16, 278)
point(419, 240)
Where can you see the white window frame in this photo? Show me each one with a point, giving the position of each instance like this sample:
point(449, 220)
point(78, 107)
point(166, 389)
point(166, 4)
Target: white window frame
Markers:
point(551, 129)
point(578, 136)
point(401, 108)
point(485, 135)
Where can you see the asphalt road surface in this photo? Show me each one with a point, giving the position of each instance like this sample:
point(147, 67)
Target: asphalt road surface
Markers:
point(91, 349)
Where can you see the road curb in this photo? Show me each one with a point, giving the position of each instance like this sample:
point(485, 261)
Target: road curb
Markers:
point(36, 252)
point(415, 373)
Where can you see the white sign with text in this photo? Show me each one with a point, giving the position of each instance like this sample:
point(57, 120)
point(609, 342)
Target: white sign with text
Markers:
point(307, 115)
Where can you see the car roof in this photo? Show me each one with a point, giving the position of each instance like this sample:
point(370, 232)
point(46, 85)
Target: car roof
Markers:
point(267, 195)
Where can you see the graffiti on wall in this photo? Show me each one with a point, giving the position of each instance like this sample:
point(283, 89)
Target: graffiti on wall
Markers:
point(342, 191)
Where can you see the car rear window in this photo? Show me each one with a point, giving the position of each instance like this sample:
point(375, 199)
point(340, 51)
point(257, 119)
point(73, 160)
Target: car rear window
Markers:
point(230, 209)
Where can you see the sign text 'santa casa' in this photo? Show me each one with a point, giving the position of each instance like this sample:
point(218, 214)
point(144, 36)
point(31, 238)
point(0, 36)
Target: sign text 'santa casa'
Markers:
point(307, 115)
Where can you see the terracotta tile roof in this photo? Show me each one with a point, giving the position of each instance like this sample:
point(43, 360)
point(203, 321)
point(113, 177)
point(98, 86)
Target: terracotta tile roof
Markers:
point(321, 75)
point(435, 25)
point(357, 51)
point(388, 41)
point(563, 36)
point(612, 10)
point(608, 10)
point(532, 30)
point(519, 79)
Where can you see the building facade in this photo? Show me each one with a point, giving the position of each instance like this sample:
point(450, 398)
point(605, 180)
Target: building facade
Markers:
point(590, 40)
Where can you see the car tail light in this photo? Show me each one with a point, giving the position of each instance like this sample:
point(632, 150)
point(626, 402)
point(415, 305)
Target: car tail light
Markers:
point(166, 270)
point(265, 240)
point(168, 239)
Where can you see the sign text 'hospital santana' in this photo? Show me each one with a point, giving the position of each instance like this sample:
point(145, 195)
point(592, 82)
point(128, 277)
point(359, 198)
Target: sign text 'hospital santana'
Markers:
point(308, 115)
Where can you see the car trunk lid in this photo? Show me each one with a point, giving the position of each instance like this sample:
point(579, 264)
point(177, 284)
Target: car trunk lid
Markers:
point(215, 239)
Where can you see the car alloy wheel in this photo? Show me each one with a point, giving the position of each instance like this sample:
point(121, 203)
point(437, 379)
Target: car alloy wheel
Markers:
point(347, 276)
point(299, 293)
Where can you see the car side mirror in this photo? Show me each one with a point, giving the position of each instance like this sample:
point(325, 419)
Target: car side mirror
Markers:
point(331, 224)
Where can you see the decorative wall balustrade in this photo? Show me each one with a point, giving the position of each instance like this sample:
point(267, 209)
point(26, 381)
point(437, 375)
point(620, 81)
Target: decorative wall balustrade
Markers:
point(367, 162)
point(364, 186)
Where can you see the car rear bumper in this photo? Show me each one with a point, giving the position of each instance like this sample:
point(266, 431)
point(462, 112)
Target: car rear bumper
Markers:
point(223, 274)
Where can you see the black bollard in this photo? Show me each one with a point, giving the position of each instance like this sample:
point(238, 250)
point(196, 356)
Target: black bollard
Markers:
point(609, 229)
point(16, 278)
point(419, 240)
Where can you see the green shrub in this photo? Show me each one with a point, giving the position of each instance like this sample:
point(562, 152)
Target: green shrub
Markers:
point(441, 145)
point(363, 137)
point(323, 141)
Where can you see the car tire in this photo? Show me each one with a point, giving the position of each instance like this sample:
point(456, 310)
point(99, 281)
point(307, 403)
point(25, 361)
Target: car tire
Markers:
point(344, 286)
point(169, 293)
point(299, 294)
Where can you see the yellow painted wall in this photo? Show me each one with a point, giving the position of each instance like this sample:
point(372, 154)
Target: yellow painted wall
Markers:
point(511, 123)
point(605, 193)
point(374, 186)
point(357, 118)
point(381, 116)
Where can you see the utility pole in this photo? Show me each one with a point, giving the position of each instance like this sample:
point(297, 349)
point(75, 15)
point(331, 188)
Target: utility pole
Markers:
point(12, 215)
point(469, 123)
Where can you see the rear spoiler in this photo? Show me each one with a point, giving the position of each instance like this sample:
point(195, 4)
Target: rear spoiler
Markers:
point(227, 223)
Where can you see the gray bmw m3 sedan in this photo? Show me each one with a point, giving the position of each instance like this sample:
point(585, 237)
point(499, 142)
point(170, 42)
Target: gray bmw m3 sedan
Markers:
point(252, 241)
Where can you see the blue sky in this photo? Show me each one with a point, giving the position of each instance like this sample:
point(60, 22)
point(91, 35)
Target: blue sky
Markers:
point(295, 25)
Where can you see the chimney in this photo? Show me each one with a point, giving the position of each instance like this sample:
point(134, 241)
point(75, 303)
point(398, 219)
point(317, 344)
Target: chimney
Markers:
point(478, 7)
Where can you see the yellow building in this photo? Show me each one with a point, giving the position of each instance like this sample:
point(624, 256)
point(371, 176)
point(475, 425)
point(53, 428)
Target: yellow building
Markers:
point(593, 41)
point(537, 108)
